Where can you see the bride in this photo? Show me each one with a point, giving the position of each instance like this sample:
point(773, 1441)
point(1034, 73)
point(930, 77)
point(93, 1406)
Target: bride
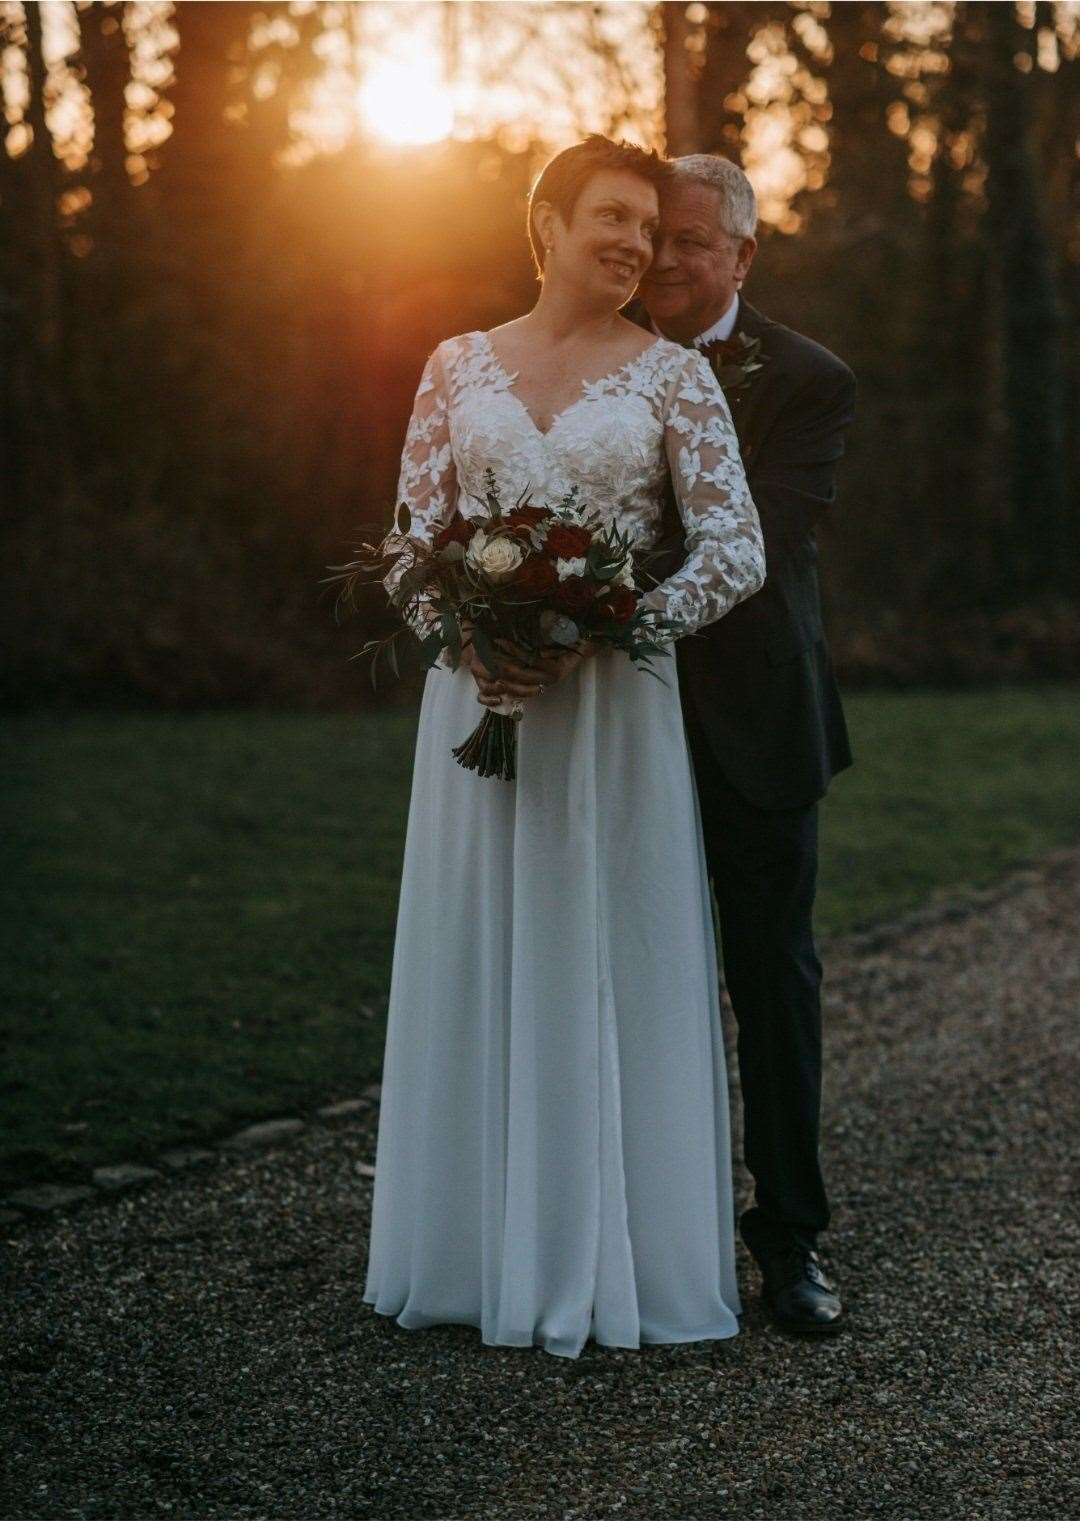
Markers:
point(553, 1154)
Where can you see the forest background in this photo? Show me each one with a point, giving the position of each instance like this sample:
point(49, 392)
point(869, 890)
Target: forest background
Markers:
point(231, 233)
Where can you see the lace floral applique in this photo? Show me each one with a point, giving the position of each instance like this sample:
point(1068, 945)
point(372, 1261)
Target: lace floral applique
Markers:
point(613, 445)
point(725, 550)
point(471, 365)
point(427, 483)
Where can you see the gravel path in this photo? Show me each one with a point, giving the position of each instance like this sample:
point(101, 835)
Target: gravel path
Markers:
point(200, 1348)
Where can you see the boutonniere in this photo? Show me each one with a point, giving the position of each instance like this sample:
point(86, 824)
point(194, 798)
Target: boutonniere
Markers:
point(735, 360)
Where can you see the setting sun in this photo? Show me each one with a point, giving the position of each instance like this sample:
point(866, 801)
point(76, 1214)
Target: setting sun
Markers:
point(407, 102)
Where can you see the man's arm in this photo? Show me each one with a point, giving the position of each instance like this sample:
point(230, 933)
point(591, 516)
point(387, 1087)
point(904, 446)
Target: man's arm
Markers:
point(793, 479)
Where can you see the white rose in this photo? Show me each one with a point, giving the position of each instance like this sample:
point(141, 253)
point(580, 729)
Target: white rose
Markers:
point(497, 559)
point(575, 567)
point(625, 577)
point(475, 549)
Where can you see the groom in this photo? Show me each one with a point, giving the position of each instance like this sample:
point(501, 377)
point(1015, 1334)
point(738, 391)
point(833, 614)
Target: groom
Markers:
point(762, 710)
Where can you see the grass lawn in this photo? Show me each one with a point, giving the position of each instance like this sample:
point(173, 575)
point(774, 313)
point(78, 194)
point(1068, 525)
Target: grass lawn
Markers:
point(199, 908)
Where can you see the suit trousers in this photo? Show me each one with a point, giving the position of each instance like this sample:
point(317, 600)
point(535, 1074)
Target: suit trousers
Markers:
point(763, 866)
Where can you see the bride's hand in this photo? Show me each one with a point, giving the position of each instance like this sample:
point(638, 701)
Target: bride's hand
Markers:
point(471, 660)
point(556, 665)
point(526, 673)
point(489, 690)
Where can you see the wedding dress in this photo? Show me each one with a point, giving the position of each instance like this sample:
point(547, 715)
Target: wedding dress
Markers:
point(553, 1156)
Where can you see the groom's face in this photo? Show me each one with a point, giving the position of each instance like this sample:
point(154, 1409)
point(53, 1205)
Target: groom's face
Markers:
point(697, 267)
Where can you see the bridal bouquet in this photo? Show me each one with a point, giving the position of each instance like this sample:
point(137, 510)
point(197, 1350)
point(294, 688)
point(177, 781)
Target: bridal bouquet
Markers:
point(543, 579)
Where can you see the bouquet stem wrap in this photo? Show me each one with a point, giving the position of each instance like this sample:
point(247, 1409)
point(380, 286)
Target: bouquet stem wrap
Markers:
point(491, 748)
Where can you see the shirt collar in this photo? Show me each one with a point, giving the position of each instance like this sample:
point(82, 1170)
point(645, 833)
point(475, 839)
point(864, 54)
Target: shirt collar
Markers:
point(721, 329)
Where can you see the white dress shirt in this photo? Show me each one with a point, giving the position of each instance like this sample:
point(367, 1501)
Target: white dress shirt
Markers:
point(721, 329)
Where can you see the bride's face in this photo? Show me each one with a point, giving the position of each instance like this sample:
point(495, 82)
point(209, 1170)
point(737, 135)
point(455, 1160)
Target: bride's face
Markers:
point(608, 244)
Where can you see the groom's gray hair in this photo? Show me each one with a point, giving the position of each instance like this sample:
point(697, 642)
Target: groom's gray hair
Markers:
point(738, 205)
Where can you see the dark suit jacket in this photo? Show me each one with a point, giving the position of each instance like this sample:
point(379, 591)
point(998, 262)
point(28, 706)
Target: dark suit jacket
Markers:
point(761, 678)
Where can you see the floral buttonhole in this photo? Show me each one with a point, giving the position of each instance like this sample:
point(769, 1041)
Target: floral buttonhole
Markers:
point(735, 361)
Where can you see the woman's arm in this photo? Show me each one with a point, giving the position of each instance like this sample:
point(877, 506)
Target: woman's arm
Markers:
point(725, 559)
point(427, 483)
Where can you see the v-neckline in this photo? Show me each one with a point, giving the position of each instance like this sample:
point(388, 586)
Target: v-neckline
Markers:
point(511, 377)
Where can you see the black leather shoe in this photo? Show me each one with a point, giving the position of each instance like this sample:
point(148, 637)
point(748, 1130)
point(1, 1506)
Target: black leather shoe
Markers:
point(795, 1290)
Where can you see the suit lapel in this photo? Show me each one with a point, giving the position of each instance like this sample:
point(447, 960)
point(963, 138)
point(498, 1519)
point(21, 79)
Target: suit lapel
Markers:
point(751, 321)
point(745, 402)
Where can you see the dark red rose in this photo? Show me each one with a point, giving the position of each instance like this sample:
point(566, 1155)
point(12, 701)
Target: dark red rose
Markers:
point(522, 520)
point(457, 531)
point(724, 351)
point(536, 577)
point(566, 542)
point(527, 514)
point(618, 605)
point(575, 594)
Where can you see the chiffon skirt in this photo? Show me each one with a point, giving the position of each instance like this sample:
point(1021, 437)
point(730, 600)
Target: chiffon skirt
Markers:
point(553, 1158)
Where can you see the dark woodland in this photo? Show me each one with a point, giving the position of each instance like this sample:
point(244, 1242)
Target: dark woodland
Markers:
point(207, 365)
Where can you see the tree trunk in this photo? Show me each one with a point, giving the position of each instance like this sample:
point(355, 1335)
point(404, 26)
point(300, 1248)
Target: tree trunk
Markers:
point(729, 29)
point(960, 499)
point(680, 89)
point(104, 55)
point(199, 158)
point(105, 280)
point(1036, 554)
point(49, 442)
point(16, 327)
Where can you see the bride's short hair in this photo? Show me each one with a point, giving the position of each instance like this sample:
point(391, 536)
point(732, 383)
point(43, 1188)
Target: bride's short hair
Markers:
point(564, 177)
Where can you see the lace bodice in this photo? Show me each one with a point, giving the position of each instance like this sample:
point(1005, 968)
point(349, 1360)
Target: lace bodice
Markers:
point(663, 411)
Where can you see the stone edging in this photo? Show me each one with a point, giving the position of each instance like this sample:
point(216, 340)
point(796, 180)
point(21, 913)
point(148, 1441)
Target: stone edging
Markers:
point(44, 1200)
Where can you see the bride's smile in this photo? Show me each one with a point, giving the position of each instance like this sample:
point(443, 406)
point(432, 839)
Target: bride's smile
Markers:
point(620, 271)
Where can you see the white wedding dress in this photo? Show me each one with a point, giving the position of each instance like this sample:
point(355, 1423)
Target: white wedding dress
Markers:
point(553, 1157)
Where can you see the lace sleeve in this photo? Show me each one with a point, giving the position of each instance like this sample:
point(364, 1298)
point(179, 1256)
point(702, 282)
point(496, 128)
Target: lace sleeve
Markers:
point(725, 560)
point(427, 483)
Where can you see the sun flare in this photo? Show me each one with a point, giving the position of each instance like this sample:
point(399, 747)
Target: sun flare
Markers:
point(407, 103)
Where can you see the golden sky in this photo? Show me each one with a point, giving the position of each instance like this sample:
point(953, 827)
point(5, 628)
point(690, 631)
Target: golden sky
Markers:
point(402, 73)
